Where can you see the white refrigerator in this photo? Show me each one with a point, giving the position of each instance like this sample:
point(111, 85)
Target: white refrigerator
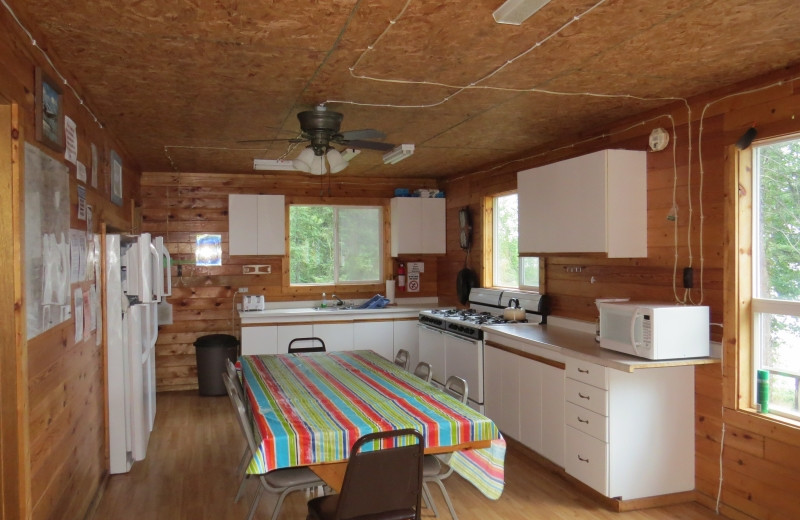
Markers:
point(137, 278)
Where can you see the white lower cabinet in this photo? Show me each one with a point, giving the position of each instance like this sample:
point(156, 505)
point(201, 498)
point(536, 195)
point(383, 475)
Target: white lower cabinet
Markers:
point(525, 399)
point(406, 337)
point(287, 333)
point(259, 340)
point(374, 335)
point(338, 337)
point(630, 434)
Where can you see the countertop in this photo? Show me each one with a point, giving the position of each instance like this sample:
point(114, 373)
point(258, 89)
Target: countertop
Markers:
point(308, 314)
point(578, 344)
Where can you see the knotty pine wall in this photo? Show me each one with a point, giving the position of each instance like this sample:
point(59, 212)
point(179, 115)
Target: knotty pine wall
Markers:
point(761, 458)
point(178, 206)
point(54, 449)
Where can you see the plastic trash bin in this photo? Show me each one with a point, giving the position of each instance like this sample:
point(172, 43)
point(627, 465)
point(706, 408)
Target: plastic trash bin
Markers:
point(212, 351)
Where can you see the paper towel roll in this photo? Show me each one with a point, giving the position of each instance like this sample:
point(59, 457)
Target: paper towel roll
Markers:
point(390, 290)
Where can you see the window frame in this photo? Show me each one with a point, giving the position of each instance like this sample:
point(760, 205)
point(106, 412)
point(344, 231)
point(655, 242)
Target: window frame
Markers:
point(382, 246)
point(489, 248)
point(743, 308)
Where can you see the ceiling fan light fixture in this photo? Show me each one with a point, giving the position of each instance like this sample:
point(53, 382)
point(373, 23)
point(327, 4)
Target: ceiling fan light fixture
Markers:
point(305, 161)
point(318, 166)
point(335, 160)
point(514, 12)
point(399, 153)
point(273, 165)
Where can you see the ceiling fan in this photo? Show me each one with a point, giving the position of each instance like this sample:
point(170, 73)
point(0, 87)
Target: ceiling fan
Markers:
point(320, 127)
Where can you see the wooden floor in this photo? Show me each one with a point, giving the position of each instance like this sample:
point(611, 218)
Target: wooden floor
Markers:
point(189, 474)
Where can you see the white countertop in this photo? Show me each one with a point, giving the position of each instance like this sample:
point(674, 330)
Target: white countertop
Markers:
point(309, 314)
point(579, 344)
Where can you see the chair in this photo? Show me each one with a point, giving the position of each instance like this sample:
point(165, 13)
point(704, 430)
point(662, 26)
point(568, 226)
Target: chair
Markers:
point(424, 371)
point(432, 466)
point(236, 388)
point(401, 359)
point(300, 349)
point(383, 484)
point(280, 481)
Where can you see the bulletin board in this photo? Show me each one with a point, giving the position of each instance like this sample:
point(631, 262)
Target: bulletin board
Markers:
point(47, 248)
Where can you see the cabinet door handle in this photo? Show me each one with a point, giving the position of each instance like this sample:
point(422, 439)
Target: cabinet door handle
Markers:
point(583, 460)
point(587, 397)
point(583, 371)
point(584, 421)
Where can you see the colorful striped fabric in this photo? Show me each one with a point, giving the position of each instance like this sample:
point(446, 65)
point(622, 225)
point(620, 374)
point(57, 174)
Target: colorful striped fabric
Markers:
point(311, 408)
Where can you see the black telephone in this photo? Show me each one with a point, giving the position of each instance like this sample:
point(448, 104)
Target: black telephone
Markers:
point(465, 221)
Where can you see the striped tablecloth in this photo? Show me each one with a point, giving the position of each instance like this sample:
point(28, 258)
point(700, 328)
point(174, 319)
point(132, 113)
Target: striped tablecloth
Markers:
point(311, 408)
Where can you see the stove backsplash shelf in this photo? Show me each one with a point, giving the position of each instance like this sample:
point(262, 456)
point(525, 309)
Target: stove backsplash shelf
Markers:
point(496, 300)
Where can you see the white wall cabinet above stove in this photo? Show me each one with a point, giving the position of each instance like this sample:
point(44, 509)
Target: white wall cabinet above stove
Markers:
point(256, 225)
point(418, 225)
point(595, 203)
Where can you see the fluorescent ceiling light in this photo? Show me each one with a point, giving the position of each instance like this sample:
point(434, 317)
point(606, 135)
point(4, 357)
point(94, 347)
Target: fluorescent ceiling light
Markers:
point(398, 154)
point(349, 153)
point(273, 164)
point(514, 12)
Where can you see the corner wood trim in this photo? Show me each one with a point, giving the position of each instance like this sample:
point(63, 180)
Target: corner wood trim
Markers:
point(528, 355)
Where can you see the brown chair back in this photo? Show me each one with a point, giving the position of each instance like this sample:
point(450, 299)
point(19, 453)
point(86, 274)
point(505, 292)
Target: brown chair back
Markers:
point(303, 347)
point(383, 483)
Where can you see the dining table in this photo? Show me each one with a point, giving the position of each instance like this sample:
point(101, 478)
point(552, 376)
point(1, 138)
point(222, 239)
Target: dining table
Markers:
point(309, 409)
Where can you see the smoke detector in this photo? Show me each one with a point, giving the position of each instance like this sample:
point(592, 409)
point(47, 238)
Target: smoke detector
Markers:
point(659, 139)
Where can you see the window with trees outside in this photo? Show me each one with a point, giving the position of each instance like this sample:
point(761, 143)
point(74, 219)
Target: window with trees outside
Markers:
point(508, 269)
point(335, 244)
point(775, 272)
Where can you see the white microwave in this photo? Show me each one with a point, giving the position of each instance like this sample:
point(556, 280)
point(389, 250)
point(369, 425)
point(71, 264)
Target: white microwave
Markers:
point(655, 330)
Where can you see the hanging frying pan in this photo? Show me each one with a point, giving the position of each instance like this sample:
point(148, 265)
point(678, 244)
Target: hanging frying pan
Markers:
point(465, 281)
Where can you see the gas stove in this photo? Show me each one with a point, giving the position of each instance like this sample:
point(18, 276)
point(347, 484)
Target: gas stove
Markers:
point(464, 322)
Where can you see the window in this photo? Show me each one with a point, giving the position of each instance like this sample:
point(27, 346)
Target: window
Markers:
point(509, 270)
point(775, 273)
point(335, 244)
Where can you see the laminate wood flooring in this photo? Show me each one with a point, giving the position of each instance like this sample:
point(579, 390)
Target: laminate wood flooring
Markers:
point(189, 473)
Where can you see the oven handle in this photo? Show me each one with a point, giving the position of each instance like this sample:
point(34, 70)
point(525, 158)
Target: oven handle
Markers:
point(462, 338)
point(426, 326)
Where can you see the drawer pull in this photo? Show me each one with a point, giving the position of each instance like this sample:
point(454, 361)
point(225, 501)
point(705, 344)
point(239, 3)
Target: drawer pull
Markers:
point(583, 460)
point(583, 371)
point(584, 421)
point(587, 397)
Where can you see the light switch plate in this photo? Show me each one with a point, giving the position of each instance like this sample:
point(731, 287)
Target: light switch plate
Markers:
point(256, 269)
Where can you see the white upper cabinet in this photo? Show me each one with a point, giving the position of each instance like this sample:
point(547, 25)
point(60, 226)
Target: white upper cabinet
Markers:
point(256, 225)
point(418, 225)
point(595, 203)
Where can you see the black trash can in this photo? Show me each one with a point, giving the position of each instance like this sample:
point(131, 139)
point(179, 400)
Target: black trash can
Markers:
point(211, 352)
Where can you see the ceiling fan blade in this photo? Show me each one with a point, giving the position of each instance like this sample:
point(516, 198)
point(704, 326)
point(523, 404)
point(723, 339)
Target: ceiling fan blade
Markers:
point(369, 145)
point(366, 133)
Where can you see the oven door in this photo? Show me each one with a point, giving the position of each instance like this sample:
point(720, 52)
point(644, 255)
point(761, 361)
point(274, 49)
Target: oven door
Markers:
point(431, 350)
point(464, 358)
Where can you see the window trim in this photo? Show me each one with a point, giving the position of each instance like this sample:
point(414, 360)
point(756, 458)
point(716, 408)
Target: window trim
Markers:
point(740, 307)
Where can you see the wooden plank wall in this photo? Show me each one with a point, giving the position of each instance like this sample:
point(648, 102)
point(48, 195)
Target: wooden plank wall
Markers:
point(62, 458)
point(761, 458)
point(178, 206)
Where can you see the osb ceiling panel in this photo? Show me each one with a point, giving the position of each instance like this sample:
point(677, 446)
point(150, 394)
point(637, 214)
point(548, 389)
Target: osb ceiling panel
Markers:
point(183, 82)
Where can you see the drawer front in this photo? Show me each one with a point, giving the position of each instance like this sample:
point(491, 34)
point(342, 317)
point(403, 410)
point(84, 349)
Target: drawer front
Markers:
point(587, 396)
point(586, 459)
point(587, 372)
point(586, 421)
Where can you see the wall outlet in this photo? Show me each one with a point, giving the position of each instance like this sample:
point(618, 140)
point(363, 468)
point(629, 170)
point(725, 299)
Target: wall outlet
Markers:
point(256, 269)
point(243, 289)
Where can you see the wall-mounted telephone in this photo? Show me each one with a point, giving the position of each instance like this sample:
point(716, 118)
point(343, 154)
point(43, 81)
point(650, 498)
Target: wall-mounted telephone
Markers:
point(465, 222)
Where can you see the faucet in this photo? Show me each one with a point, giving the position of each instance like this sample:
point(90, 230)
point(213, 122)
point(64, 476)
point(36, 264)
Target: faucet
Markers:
point(339, 301)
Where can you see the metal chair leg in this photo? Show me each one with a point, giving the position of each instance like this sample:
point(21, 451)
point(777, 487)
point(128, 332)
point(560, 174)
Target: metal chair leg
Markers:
point(241, 489)
point(255, 503)
point(426, 494)
point(446, 498)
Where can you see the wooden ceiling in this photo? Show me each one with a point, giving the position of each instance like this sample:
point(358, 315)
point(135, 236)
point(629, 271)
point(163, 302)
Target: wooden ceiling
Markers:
point(181, 82)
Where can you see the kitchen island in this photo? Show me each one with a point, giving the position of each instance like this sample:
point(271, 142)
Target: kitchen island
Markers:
point(619, 425)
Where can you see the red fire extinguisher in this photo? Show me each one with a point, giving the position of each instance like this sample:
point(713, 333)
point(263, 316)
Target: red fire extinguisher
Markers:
point(401, 277)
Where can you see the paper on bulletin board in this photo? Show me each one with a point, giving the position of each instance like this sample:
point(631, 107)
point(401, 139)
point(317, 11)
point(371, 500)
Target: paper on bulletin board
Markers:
point(78, 299)
point(70, 140)
point(81, 202)
point(77, 244)
point(81, 172)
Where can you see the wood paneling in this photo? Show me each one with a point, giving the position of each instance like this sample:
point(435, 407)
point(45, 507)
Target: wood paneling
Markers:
point(178, 206)
point(759, 460)
point(52, 386)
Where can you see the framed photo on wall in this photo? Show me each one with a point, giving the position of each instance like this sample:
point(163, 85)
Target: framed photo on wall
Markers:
point(49, 112)
point(116, 178)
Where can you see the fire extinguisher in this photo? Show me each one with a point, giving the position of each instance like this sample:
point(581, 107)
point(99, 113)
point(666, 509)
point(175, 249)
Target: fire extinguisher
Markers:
point(401, 277)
